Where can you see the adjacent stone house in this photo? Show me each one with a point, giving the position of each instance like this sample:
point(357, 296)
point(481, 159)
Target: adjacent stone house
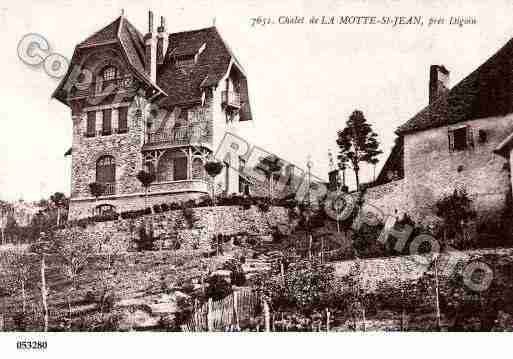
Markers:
point(160, 102)
point(462, 138)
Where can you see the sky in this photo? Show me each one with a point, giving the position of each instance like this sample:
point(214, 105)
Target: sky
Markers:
point(304, 80)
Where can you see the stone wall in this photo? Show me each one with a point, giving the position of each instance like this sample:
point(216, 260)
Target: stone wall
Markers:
point(391, 199)
point(120, 235)
point(395, 270)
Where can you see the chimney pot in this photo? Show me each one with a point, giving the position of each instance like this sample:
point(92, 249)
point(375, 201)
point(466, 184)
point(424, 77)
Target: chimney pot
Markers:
point(150, 21)
point(162, 27)
point(438, 82)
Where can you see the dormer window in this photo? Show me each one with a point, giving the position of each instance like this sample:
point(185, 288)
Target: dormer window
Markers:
point(184, 62)
point(109, 73)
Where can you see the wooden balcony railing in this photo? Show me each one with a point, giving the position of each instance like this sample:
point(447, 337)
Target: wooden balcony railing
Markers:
point(230, 99)
point(180, 135)
point(110, 189)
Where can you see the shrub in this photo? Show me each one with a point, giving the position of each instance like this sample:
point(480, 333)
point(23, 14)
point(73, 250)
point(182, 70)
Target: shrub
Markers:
point(157, 208)
point(237, 275)
point(218, 288)
point(146, 240)
point(264, 205)
point(188, 215)
point(164, 207)
point(173, 206)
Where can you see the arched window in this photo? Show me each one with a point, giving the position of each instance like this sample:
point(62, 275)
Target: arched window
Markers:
point(109, 73)
point(106, 173)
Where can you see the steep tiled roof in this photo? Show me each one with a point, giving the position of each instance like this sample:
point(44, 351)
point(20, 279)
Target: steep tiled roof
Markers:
point(121, 32)
point(185, 84)
point(108, 33)
point(179, 84)
point(486, 92)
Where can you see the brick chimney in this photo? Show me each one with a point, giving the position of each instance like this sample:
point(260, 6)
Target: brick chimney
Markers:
point(162, 41)
point(150, 48)
point(438, 82)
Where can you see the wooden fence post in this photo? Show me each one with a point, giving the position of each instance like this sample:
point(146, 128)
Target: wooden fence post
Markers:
point(327, 319)
point(236, 310)
point(210, 318)
point(267, 316)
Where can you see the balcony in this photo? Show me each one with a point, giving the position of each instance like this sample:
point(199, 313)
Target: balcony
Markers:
point(102, 88)
point(110, 189)
point(230, 99)
point(181, 136)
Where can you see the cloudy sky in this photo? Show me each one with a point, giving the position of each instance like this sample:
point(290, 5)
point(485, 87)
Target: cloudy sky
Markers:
point(304, 80)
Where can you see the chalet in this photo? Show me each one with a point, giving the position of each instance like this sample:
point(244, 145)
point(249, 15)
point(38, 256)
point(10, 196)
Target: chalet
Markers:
point(161, 102)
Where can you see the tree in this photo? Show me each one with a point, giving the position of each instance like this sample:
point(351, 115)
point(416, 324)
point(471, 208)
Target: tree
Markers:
point(43, 248)
point(6, 212)
point(271, 166)
point(58, 199)
point(358, 143)
point(213, 168)
point(96, 189)
point(307, 288)
point(146, 179)
point(17, 267)
point(73, 252)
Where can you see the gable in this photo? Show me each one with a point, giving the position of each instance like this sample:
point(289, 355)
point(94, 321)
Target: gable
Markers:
point(486, 92)
point(120, 36)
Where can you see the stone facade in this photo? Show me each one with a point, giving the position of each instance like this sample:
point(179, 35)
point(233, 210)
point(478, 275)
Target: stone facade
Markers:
point(433, 171)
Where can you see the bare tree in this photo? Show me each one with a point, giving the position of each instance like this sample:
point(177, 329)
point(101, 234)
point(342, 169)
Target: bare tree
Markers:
point(73, 252)
point(42, 248)
point(6, 212)
point(17, 267)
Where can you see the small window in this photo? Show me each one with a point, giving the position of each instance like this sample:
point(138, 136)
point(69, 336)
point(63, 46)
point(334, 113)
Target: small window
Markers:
point(460, 139)
point(109, 73)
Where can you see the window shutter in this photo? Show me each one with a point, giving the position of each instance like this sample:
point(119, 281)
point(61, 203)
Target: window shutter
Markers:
point(107, 121)
point(451, 140)
point(470, 137)
point(122, 119)
point(91, 123)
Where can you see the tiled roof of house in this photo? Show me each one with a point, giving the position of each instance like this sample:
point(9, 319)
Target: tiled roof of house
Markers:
point(486, 92)
point(185, 84)
point(121, 32)
point(180, 85)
